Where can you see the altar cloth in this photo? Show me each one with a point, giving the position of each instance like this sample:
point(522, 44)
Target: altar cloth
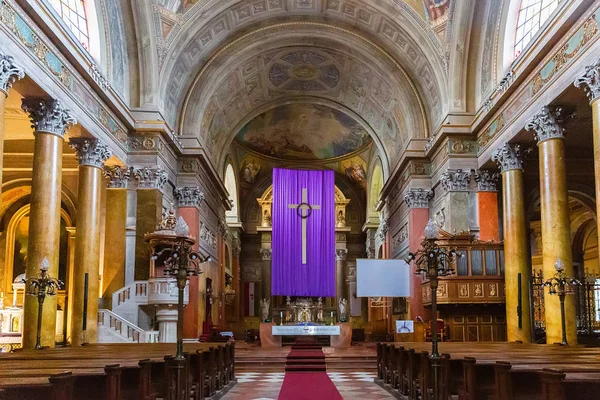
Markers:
point(304, 330)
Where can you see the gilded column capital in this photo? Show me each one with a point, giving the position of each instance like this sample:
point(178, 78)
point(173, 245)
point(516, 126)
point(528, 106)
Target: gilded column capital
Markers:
point(266, 254)
point(150, 177)
point(9, 72)
point(455, 180)
point(188, 196)
point(118, 177)
point(589, 81)
point(486, 180)
point(546, 124)
point(510, 156)
point(341, 254)
point(90, 151)
point(48, 116)
point(418, 198)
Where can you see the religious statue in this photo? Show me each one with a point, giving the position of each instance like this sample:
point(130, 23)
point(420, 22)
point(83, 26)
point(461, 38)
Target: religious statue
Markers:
point(341, 221)
point(320, 310)
point(288, 309)
point(250, 171)
point(266, 218)
point(343, 310)
point(265, 307)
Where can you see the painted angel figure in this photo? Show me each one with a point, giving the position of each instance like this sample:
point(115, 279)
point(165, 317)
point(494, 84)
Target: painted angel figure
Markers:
point(264, 307)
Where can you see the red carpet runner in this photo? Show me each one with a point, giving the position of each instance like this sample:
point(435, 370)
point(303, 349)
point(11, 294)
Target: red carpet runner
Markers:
point(305, 375)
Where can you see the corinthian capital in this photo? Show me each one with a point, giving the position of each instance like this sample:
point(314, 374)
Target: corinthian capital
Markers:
point(90, 151)
point(546, 124)
point(589, 81)
point(510, 156)
point(266, 254)
point(455, 180)
point(48, 116)
point(341, 254)
point(9, 73)
point(118, 177)
point(486, 180)
point(150, 178)
point(188, 196)
point(418, 198)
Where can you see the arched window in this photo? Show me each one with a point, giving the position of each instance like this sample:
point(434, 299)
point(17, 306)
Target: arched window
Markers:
point(532, 15)
point(231, 186)
point(73, 14)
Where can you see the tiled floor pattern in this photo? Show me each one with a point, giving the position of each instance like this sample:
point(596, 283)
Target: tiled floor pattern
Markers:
point(266, 386)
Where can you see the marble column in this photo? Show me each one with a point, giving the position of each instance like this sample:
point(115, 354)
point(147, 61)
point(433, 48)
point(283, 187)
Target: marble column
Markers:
point(236, 249)
point(417, 200)
point(487, 205)
point(130, 235)
point(510, 160)
point(50, 121)
point(188, 202)
point(150, 182)
point(91, 154)
point(589, 81)
point(556, 228)
point(266, 274)
point(115, 242)
point(9, 73)
point(341, 288)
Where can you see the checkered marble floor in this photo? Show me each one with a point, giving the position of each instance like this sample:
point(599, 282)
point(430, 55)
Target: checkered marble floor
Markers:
point(266, 386)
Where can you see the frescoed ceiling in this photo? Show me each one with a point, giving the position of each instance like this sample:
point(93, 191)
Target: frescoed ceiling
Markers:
point(303, 132)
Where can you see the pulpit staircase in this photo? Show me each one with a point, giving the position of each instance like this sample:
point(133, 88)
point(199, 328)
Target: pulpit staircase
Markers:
point(121, 324)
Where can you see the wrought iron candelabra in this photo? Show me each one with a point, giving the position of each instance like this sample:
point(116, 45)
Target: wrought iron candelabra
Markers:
point(433, 262)
point(42, 286)
point(560, 285)
point(173, 243)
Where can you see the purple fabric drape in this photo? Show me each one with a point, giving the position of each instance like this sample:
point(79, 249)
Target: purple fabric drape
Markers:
point(289, 276)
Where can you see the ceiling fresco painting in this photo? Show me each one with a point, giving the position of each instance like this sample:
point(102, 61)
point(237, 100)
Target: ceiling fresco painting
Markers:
point(303, 132)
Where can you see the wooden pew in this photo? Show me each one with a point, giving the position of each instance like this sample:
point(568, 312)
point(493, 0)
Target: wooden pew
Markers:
point(490, 371)
point(145, 378)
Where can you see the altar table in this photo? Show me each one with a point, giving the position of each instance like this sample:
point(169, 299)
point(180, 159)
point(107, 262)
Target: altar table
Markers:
point(271, 334)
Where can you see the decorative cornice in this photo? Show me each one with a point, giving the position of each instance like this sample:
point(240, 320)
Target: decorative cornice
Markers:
point(99, 77)
point(9, 72)
point(418, 198)
point(486, 180)
point(118, 177)
point(341, 254)
point(455, 180)
point(589, 81)
point(546, 124)
point(150, 178)
point(90, 151)
point(188, 196)
point(48, 116)
point(510, 156)
point(266, 254)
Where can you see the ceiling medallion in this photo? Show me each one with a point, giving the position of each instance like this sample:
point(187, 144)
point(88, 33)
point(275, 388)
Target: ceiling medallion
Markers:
point(304, 70)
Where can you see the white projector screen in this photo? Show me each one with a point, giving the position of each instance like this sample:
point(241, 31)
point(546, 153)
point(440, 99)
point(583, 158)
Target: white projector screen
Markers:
point(382, 278)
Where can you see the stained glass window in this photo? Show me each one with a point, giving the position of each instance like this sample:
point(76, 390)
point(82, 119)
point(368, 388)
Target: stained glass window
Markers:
point(72, 13)
point(532, 15)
